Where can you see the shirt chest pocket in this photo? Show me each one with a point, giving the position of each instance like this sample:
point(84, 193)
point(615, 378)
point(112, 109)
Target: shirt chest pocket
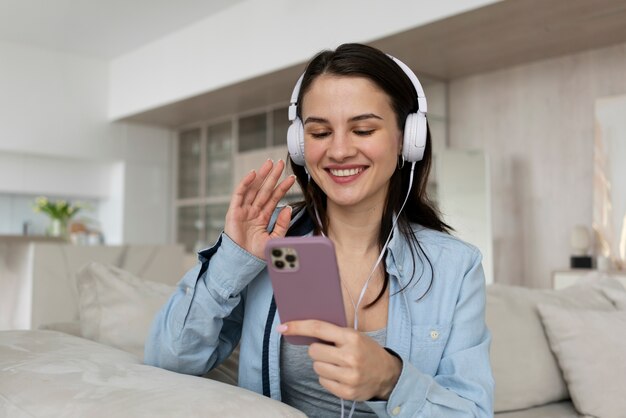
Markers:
point(427, 345)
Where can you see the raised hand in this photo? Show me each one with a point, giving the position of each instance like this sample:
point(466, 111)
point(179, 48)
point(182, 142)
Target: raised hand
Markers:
point(353, 366)
point(251, 207)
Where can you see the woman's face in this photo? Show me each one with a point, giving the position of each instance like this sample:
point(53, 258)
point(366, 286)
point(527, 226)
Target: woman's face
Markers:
point(351, 140)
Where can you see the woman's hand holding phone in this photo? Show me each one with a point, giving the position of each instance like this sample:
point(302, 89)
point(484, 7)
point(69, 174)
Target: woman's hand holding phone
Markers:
point(251, 207)
point(353, 366)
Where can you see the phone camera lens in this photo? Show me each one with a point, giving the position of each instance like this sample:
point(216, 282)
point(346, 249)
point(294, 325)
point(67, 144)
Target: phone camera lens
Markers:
point(277, 252)
point(290, 258)
point(279, 264)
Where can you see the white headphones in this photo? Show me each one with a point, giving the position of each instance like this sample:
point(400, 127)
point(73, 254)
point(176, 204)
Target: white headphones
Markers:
point(414, 140)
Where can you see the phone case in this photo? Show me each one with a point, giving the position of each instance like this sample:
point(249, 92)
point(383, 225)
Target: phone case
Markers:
point(306, 283)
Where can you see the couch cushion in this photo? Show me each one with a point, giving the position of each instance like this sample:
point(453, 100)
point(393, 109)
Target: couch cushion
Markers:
point(590, 347)
point(552, 410)
point(51, 374)
point(525, 369)
point(116, 307)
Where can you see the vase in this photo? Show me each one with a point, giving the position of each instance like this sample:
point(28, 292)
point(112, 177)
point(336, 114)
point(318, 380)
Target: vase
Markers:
point(58, 228)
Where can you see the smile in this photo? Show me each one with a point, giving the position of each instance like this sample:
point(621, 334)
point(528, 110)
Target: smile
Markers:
point(346, 172)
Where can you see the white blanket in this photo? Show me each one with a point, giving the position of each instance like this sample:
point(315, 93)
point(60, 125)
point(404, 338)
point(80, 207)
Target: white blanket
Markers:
point(52, 374)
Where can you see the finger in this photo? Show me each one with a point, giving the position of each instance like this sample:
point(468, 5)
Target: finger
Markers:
point(313, 328)
point(269, 185)
point(279, 192)
point(326, 353)
point(258, 181)
point(282, 223)
point(337, 388)
point(329, 371)
point(242, 188)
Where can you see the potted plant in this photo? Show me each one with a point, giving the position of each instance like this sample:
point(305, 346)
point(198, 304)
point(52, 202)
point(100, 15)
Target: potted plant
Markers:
point(60, 213)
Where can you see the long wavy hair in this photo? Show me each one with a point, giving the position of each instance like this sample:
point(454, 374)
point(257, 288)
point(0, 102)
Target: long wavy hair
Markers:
point(357, 60)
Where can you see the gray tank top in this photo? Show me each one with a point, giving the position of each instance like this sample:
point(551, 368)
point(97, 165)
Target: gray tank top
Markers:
point(301, 389)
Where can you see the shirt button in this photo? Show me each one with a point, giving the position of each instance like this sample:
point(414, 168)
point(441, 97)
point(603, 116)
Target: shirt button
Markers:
point(396, 411)
point(434, 334)
point(187, 290)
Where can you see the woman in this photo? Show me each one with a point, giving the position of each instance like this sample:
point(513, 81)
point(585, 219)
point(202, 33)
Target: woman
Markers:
point(421, 347)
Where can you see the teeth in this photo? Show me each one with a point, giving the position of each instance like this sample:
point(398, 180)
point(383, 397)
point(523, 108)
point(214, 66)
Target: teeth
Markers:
point(345, 173)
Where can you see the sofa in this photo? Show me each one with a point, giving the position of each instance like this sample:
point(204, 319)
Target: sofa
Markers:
point(549, 356)
point(91, 363)
point(558, 353)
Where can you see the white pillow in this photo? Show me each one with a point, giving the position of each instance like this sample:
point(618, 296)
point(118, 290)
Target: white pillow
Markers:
point(525, 369)
point(116, 308)
point(590, 347)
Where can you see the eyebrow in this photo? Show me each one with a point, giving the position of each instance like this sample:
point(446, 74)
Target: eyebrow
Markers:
point(314, 119)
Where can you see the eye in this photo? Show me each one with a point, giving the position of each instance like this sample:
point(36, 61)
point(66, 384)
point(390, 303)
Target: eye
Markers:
point(319, 135)
point(364, 132)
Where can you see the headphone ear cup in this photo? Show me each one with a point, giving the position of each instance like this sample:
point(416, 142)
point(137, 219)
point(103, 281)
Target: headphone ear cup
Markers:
point(295, 141)
point(414, 137)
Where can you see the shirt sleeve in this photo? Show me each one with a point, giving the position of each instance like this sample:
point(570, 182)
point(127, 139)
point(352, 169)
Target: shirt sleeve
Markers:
point(463, 385)
point(200, 325)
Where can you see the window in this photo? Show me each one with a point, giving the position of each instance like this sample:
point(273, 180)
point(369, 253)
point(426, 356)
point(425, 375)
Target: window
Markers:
point(214, 219)
point(280, 124)
point(189, 227)
point(219, 159)
point(205, 161)
point(253, 132)
point(189, 163)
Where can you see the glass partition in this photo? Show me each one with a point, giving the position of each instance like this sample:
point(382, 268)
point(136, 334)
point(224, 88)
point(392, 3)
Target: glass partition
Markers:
point(189, 163)
point(219, 159)
point(190, 227)
point(253, 132)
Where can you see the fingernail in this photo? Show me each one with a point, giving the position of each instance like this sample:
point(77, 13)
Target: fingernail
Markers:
point(281, 328)
point(290, 208)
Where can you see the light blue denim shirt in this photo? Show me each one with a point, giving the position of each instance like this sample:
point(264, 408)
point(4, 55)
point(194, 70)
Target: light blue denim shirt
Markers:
point(442, 339)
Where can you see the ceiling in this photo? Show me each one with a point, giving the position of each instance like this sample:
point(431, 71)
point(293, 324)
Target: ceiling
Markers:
point(99, 28)
point(493, 37)
point(500, 35)
point(509, 33)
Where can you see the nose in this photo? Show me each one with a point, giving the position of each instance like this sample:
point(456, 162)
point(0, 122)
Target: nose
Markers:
point(341, 147)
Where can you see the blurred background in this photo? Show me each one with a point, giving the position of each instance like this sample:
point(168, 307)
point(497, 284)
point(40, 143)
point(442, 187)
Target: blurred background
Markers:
point(147, 113)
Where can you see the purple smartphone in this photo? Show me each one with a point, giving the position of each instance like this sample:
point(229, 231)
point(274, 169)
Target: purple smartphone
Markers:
point(305, 278)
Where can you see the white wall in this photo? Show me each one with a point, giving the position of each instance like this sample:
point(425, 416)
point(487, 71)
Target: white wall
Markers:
point(36, 174)
point(256, 37)
point(55, 139)
point(54, 104)
point(536, 123)
point(148, 182)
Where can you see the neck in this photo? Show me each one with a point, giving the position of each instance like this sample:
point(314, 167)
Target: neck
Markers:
point(355, 230)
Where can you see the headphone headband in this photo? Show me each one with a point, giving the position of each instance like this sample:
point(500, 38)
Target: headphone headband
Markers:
point(422, 106)
point(293, 105)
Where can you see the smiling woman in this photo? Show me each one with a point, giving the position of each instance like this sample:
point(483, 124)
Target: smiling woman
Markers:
point(414, 296)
